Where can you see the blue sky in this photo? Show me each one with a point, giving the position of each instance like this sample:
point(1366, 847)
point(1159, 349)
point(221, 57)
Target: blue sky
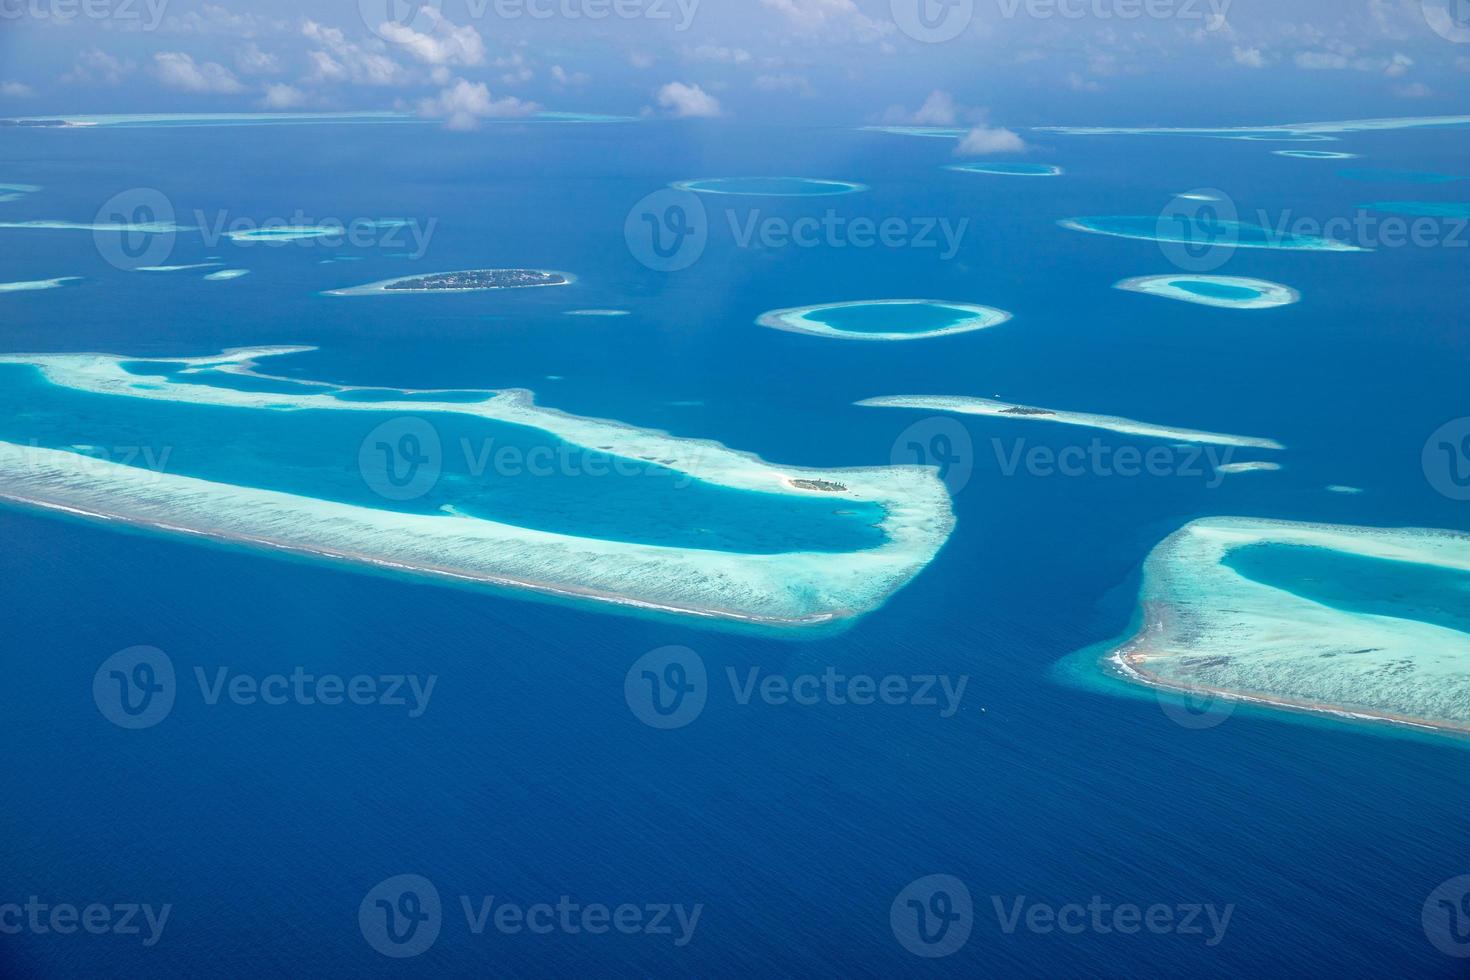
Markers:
point(1001, 62)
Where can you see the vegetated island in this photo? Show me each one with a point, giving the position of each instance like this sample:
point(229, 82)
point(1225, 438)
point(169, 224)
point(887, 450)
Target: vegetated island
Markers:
point(469, 280)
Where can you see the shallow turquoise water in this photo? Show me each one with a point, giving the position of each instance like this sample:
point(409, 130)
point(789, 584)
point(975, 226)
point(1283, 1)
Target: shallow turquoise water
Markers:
point(1216, 290)
point(890, 317)
point(1196, 232)
point(491, 469)
point(1359, 584)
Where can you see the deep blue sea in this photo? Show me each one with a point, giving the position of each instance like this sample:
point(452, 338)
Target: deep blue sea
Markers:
point(528, 777)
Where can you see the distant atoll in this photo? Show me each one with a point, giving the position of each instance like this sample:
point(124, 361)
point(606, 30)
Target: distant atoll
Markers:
point(466, 281)
point(885, 319)
point(770, 186)
point(36, 284)
point(1227, 234)
point(817, 567)
point(1008, 169)
point(968, 405)
point(1355, 622)
point(1316, 154)
point(1229, 292)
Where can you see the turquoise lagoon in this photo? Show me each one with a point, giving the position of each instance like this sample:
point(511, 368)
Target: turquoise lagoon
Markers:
point(499, 491)
point(1231, 292)
point(1223, 234)
point(1364, 622)
point(893, 319)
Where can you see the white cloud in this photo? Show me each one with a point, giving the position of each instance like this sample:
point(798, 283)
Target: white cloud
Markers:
point(688, 101)
point(340, 60)
point(983, 140)
point(720, 55)
point(464, 104)
point(179, 70)
point(1249, 57)
point(16, 90)
point(96, 65)
point(1077, 83)
point(517, 71)
point(795, 84)
point(214, 19)
point(938, 110)
point(1398, 65)
point(640, 60)
point(1321, 61)
point(1413, 90)
point(561, 76)
point(282, 97)
point(250, 60)
point(829, 19)
point(444, 44)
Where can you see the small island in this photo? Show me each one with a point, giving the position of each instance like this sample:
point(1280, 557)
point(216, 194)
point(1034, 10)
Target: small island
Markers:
point(885, 319)
point(466, 281)
point(1228, 292)
point(822, 485)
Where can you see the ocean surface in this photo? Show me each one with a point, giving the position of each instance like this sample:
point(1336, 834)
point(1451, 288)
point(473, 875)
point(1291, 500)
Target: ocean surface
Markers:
point(527, 777)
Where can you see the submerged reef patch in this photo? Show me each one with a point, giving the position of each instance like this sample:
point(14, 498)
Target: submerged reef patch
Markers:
point(885, 319)
point(1229, 292)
